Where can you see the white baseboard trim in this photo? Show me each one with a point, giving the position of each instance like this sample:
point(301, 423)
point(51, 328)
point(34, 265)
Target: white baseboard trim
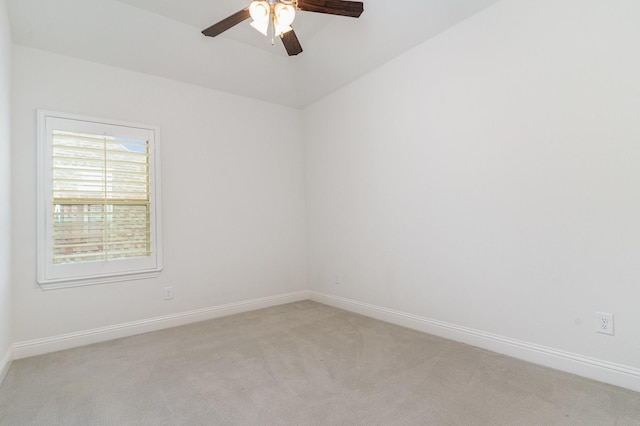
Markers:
point(603, 371)
point(86, 337)
point(5, 364)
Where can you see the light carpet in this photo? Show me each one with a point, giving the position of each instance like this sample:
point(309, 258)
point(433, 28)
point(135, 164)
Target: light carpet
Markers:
point(300, 364)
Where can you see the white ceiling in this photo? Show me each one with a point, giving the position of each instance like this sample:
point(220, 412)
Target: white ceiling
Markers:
point(162, 37)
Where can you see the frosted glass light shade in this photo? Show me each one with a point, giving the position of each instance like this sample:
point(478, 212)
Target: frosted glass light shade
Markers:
point(284, 14)
point(259, 10)
point(261, 26)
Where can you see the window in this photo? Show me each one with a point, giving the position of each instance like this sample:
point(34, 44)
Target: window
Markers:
point(98, 201)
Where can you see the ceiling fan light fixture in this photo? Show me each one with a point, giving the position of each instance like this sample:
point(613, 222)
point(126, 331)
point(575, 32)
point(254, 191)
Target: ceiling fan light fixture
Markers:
point(276, 17)
point(261, 26)
point(260, 12)
point(283, 16)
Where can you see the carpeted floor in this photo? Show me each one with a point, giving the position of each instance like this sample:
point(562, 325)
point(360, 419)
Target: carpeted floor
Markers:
point(299, 364)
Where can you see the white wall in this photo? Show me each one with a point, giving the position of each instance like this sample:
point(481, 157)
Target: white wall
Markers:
point(232, 187)
point(489, 178)
point(5, 184)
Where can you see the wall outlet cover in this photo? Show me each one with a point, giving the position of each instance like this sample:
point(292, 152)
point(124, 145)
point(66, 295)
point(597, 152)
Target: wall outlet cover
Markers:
point(604, 323)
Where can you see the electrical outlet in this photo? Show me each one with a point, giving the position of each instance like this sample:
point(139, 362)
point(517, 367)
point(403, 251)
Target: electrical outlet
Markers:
point(168, 293)
point(604, 323)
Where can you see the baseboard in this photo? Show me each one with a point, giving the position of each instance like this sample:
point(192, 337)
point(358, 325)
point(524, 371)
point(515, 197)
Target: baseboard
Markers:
point(86, 337)
point(5, 364)
point(603, 371)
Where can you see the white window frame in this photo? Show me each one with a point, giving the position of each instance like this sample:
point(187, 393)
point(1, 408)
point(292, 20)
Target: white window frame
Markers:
point(52, 276)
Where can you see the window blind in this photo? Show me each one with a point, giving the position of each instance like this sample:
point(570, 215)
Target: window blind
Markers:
point(101, 197)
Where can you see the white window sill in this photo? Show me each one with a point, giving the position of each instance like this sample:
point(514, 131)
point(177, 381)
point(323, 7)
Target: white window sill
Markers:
point(81, 282)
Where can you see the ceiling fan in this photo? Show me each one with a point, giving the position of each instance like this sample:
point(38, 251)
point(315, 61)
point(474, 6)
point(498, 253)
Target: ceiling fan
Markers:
point(276, 16)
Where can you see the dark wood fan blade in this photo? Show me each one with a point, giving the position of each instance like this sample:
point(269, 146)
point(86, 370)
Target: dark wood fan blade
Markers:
point(291, 43)
point(226, 23)
point(333, 7)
